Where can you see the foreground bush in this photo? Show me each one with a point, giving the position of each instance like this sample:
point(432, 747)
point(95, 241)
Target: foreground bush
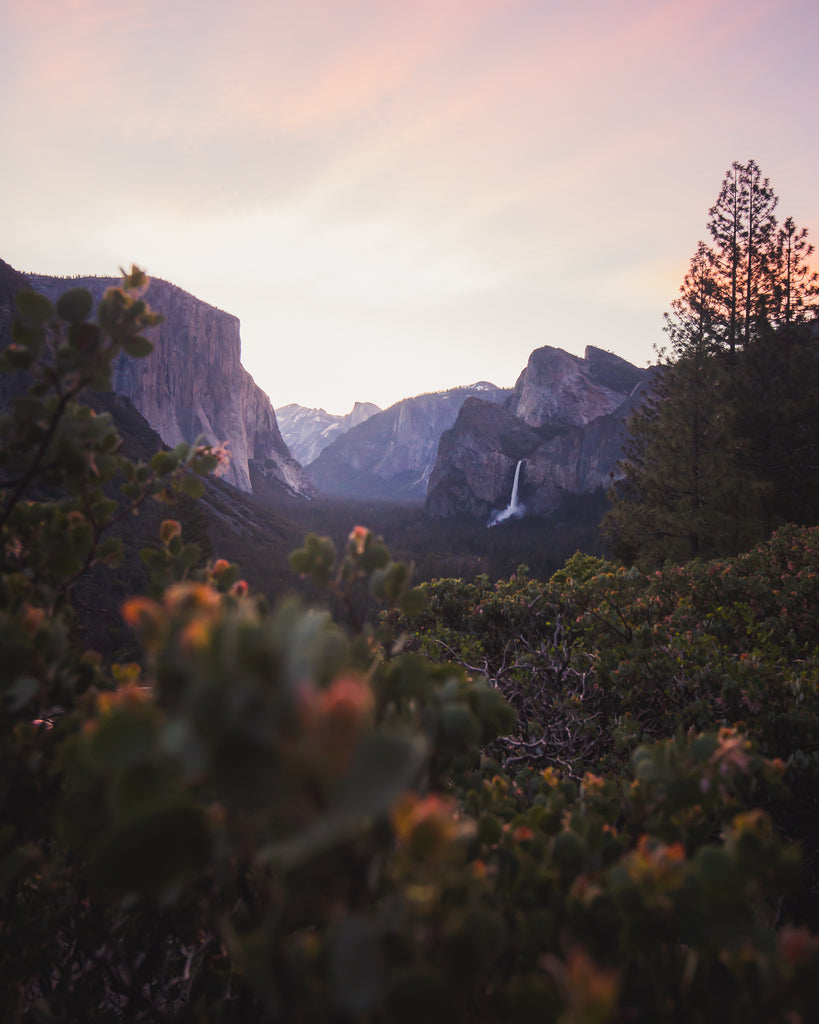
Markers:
point(275, 816)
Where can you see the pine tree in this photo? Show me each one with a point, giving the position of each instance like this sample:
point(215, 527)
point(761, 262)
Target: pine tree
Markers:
point(742, 226)
point(691, 324)
point(680, 495)
point(725, 448)
point(775, 392)
point(795, 287)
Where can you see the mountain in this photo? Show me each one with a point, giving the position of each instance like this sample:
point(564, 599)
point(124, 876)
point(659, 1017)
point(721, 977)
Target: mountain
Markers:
point(307, 432)
point(194, 383)
point(559, 390)
point(390, 456)
point(565, 420)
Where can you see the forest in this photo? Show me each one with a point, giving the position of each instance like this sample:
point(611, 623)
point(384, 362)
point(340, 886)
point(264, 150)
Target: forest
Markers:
point(585, 795)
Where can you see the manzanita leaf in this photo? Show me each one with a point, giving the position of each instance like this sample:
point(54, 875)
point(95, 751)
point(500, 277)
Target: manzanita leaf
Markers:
point(33, 308)
point(75, 305)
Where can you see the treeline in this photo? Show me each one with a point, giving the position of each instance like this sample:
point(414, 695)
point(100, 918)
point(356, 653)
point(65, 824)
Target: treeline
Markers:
point(459, 546)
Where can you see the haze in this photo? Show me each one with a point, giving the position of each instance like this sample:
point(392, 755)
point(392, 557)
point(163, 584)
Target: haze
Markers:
point(399, 197)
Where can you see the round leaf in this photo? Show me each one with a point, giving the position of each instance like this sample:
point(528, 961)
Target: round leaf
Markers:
point(33, 308)
point(75, 305)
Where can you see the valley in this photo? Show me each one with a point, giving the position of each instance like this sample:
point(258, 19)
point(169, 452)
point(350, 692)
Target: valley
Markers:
point(427, 474)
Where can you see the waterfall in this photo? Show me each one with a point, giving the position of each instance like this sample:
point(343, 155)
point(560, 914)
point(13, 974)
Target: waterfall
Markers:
point(513, 501)
point(514, 508)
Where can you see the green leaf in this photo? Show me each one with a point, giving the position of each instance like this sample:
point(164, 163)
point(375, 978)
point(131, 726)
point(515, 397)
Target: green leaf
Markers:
point(16, 358)
point(103, 510)
point(375, 556)
point(414, 602)
point(191, 485)
point(300, 562)
point(384, 766)
point(191, 554)
point(163, 463)
point(110, 552)
point(33, 309)
point(28, 337)
point(458, 724)
point(109, 308)
point(75, 305)
point(152, 558)
point(137, 347)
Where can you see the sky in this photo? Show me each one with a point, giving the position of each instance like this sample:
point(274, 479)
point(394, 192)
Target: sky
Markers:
point(400, 196)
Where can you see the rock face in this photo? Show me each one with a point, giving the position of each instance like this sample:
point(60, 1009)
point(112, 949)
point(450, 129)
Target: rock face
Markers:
point(307, 432)
point(194, 383)
point(391, 455)
point(565, 419)
point(561, 390)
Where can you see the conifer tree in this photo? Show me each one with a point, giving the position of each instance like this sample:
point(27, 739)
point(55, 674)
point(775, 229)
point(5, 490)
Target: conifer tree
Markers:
point(680, 495)
point(742, 226)
point(691, 324)
point(725, 448)
point(775, 393)
point(795, 287)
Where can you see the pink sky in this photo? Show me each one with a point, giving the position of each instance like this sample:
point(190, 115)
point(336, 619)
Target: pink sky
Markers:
point(399, 197)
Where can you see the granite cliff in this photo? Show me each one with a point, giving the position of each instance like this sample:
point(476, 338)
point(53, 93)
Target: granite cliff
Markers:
point(194, 383)
point(307, 432)
point(560, 390)
point(565, 419)
point(391, 455)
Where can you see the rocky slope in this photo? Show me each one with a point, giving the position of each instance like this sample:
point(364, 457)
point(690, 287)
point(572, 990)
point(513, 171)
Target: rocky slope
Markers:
point(307, 432)
point(390, 456)
point(194, 383)
point(565, 419)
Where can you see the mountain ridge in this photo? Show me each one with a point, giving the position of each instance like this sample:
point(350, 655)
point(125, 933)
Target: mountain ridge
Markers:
point(308, 431)
point(391, 454)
